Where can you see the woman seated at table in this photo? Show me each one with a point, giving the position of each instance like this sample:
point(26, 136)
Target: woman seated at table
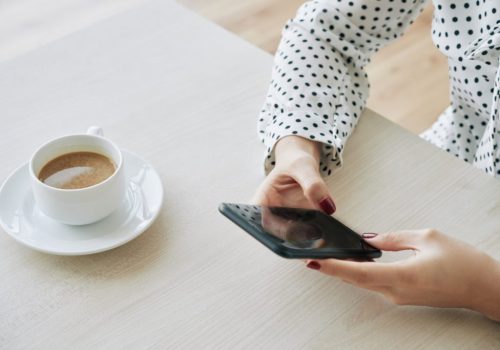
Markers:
point(316, 96)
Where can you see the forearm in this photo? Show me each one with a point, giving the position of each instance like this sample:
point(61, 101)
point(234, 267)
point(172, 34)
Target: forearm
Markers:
point(319, 88)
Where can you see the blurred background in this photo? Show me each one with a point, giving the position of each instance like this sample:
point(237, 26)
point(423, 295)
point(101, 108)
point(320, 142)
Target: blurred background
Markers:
point(409, 77)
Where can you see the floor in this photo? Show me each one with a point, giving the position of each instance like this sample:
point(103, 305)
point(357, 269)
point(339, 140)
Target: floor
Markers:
point(409, 77)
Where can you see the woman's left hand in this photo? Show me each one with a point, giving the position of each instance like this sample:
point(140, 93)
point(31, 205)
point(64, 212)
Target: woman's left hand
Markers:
point(444, 272)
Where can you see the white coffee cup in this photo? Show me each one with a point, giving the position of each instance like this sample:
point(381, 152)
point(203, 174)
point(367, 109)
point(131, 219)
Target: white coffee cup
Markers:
point(83, 205)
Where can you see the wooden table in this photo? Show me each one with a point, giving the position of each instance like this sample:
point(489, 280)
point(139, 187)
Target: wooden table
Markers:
point(185, 95)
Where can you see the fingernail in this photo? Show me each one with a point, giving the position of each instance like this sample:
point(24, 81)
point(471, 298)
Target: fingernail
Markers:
point(327, 205)
point(369, 235)
point(313, 265)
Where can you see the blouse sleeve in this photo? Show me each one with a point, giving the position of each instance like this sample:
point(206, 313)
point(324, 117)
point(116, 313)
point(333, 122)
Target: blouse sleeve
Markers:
point(319, 87)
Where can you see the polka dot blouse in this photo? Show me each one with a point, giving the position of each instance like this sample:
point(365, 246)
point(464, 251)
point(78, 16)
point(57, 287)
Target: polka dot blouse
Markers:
point(319, 87)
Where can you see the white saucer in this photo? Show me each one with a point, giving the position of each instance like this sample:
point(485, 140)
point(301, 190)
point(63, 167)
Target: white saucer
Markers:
point(23, 221)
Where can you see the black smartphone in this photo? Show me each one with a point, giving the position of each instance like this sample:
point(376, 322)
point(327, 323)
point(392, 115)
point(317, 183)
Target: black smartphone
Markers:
point(299, 233)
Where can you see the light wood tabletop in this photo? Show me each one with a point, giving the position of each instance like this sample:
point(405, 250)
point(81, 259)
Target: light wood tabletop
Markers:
point(185, 94)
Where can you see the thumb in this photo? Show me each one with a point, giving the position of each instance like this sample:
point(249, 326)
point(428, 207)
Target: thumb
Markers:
point(315, 189)
point(393, 241)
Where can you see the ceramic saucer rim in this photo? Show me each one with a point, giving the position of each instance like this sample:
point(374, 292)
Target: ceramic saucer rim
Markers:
point(134, 234)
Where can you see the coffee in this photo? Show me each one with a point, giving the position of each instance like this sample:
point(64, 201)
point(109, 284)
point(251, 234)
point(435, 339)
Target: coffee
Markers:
point(77, 170)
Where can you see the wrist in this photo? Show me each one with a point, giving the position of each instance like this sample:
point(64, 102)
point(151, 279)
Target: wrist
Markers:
point(292, 147)
point(487, 301)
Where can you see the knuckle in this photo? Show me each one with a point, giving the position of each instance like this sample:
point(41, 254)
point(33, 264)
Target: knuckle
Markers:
point(430, 234)
point(391, 237)
point(314, 186)
point(362, 277)
point(408, 277)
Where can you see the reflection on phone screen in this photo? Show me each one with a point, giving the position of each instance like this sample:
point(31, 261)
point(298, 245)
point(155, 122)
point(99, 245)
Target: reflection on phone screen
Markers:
point(301, 228)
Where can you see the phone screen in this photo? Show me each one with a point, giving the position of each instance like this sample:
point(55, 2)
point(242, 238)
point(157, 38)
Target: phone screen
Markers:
point(298, 229)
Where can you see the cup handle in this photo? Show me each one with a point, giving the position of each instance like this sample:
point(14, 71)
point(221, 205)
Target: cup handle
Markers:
point(95, 130)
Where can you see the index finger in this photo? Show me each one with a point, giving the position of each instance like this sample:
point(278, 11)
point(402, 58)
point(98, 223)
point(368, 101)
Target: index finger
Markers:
point(361, 273)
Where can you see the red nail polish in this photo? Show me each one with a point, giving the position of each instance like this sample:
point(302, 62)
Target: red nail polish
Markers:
point(314, 265)
point(327, 205)
point(369, 235)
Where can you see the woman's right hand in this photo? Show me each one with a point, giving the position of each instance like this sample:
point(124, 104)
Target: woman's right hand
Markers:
point(295, 181)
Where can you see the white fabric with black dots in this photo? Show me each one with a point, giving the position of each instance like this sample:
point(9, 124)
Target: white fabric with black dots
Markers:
point(319, 87)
